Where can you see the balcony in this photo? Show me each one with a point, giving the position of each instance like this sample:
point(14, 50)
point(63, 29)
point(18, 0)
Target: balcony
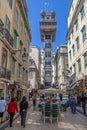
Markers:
point(5, 33)
point(5, 73)
point(1, 25)
point(7, 36)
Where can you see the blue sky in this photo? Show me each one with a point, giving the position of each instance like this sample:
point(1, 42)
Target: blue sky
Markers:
point(61, 8)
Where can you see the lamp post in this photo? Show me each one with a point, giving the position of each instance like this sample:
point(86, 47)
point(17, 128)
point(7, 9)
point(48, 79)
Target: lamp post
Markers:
point(24, 55)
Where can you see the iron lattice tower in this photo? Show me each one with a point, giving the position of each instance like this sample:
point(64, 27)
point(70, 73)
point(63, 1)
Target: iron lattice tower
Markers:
point(48, 32)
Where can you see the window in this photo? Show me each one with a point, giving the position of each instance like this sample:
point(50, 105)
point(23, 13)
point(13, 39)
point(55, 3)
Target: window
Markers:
point(7, 23)
point(23, 73)
point(10, 3)
point(48, 45)
point(74, 67)
point(79, 65)
point(77, 43)
point(21, 45)
point(82, 12)
point(47, 73)
point(69, 41)
point(21, 27)
point(16, 15)
point(70, 54)
point(85, 60)
point(19, 70)
point(83, 33)
point(48, 63)
point(15, 38)
point(72, 34)
point(4, 58)
point(76, 24)
point(48, 37)
point(71, 69)
point(66, 66)
point(47, 54)
point(26, 75)
point(73, 48)
point(13, 66)
point(30, 50)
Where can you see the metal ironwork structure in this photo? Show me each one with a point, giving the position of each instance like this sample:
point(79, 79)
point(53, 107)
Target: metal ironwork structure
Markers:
point(48, 32)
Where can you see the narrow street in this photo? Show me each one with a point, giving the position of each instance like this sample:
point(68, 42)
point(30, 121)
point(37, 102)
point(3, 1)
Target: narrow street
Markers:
point(67, 122)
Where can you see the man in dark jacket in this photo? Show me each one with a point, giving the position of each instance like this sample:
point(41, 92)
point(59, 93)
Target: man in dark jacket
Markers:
point(83, 99)
point(23, 110)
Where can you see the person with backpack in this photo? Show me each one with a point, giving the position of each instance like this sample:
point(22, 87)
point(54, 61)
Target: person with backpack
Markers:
point(23, 110)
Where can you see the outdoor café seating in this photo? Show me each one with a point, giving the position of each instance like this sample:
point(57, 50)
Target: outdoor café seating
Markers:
point(50, 111)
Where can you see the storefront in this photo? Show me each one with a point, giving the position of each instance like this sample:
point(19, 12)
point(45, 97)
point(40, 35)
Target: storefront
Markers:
point(76, 87)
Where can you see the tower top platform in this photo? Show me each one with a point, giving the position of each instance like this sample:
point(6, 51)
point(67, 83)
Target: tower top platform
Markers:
point(48, 25)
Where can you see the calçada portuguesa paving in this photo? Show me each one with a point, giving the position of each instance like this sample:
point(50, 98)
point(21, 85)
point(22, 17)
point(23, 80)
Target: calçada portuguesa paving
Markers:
point(68, 121)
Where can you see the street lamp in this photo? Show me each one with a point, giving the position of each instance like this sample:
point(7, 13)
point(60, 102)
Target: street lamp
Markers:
point(24, 55)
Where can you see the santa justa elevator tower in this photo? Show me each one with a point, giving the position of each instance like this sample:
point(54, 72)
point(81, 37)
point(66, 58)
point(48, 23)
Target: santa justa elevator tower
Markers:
point(48, 32)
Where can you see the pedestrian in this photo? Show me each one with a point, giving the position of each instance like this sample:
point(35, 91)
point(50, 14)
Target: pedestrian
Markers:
point(23, 110)
point(34, 101)
point(12, 108)
point(83, 99)
point(72, 101)
point(60, 96)
point(2, 108)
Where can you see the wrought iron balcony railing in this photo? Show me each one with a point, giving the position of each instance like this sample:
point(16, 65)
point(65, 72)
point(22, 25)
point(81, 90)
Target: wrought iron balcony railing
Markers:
point(6, 33)
point(5, 73)
point(1, 24)
point(7, 36)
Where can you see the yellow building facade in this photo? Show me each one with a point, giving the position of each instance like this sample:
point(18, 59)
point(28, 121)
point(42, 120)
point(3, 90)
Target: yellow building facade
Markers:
point(14, 48)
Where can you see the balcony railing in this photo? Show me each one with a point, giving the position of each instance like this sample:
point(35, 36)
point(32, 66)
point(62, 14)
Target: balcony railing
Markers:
point(6, 33)
point(5, 73)
point(47, 23)
point(7, 36)
point(1, 25)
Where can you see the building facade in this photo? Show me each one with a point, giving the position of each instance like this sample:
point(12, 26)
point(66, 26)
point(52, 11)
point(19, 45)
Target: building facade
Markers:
point(48, 31)
point(34, 68)
point(14, 47)
point(61, 67)
point(42, 67)
point(77, 47)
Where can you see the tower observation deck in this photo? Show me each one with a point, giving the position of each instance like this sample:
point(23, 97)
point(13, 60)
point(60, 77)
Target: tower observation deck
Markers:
point(48, 32)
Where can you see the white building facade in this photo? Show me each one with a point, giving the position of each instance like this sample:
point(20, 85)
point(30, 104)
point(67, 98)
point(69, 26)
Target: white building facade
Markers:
point(77, 44)
point(34, 68)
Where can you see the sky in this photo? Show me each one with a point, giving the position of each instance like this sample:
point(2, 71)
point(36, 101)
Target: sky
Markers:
point(60, 7)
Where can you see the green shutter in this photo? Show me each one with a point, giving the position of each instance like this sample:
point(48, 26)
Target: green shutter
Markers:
point(85, 59)
point(79, 65)
point(13, 66)
point(15, 38)
point(19, 70)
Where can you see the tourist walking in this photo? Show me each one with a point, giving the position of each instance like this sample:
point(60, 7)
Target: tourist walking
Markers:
point(60, 96)
point(23, 110)
point(83, 99)
point(12, 108)
point(72, 103)
point(34, 101)
point(2, 108)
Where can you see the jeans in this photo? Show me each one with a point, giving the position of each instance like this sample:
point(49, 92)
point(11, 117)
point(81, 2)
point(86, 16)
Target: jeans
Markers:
point(73, 107)
point(84, 108)
point(11, 118)
point(23, 118)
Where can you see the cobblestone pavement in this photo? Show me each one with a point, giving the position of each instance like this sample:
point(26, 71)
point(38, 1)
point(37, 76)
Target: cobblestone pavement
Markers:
point(68, 121)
